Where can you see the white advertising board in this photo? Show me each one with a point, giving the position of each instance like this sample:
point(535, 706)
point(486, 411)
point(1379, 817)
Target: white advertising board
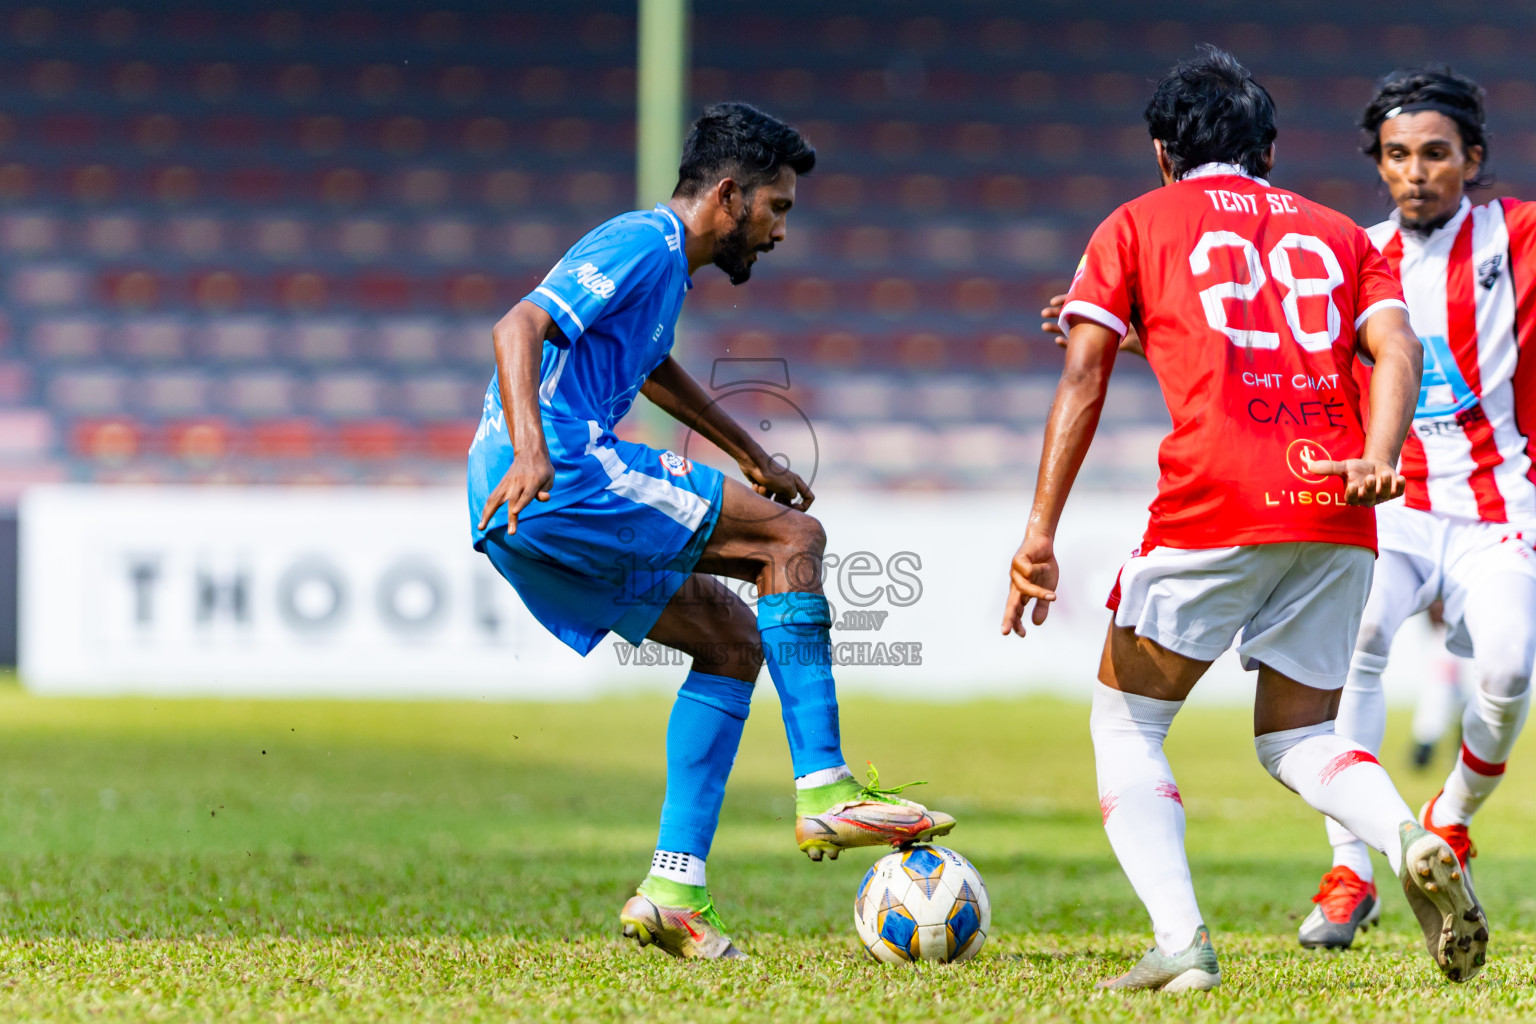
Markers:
point(376, 593)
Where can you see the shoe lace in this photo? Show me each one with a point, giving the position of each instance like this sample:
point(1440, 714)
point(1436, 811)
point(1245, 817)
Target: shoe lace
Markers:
point(1340, 891)
point(710, 916)
point(1458, 839)
point(872, 790)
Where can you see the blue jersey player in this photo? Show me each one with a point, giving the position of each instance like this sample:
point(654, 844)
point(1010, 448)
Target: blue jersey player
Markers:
point(598, 534)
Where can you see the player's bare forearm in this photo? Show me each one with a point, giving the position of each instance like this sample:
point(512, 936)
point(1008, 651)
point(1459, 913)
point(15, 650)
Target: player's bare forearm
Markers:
point(1399, 357)
point(1033, 573)
point(1050, 325)
point(1074, 418)
point(677, 394)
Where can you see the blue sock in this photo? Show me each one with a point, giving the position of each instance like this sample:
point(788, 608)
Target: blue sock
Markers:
point(797, 643)
point(702, 737)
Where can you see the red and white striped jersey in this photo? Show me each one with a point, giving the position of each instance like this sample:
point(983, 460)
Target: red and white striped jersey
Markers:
point(1471, 292)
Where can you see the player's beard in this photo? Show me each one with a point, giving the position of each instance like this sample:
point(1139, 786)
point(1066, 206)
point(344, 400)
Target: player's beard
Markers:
point(1424, 226)
point(731, 252)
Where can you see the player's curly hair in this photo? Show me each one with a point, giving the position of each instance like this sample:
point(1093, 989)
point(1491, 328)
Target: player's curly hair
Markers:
point(1210, 110)
point(739, 141)
point(1430, 87)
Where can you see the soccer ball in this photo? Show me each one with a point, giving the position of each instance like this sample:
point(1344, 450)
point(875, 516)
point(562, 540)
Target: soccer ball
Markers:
point(922, 903)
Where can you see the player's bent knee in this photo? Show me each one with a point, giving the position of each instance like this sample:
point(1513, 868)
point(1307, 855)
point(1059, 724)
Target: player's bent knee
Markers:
point(1505, 676)
point(799, 544)
point(806, 535)
point(1374, 638)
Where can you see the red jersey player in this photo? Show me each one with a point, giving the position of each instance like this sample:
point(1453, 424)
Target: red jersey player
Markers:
point(1463, 532)
point(1251, 304)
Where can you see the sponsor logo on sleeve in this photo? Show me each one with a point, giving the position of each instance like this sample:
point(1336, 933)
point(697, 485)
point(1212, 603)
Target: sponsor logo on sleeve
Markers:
point(594, 280)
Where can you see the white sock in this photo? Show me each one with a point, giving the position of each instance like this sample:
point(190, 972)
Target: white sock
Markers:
point(678, 867)
point(1362, 718)
point(1499, 616)
point(1363, 703)
point(1340, 778)
point(1489, 728)
point(825, 777)
point(1349, 852)
point(1143, 812)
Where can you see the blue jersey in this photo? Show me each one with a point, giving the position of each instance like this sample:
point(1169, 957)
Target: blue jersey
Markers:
point(615, 296)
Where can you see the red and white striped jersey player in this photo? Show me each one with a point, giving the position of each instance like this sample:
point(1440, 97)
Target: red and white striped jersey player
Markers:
point(1464, 530)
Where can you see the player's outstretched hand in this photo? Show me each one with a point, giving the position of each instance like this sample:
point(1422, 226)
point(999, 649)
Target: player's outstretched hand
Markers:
point(1051, 324)
point(1032, 576)
point(1366, 481)
point(1051, 317)
point(530, 477)
point(772, 480)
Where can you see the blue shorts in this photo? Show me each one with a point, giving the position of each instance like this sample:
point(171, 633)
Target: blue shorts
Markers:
point(613, 560)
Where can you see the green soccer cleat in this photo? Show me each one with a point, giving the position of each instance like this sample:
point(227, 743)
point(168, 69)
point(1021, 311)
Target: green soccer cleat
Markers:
point(1194, 970)
point(679, 919)
point(844, 814)
point(1440, 893)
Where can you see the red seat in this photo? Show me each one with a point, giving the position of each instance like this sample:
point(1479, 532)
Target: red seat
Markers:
point(288, 439)
point(922, 351)
point(374, 439)
point(93, 184)
point(379, 291)
point(108, 440)
point(1005, 352)
point(838, 349)
point(135, 289)
point(449, 441)
point(263, 185)
point(201, 440)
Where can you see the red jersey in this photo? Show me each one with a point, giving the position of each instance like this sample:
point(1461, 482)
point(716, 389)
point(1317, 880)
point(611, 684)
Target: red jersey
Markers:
point(1247, 299)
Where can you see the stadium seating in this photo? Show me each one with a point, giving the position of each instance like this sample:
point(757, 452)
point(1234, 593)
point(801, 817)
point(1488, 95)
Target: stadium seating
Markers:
point(246, 243)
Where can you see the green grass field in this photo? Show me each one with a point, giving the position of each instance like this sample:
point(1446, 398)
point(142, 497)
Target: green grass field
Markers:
point(205, 860)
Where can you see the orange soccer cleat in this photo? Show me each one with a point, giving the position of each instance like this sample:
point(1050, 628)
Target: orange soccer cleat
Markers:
point(1346, 904)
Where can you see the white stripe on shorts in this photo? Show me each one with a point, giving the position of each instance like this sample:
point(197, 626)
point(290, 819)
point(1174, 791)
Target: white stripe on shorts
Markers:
point(681, 506)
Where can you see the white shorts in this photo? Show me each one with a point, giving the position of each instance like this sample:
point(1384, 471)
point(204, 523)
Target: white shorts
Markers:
point(1297, 604)
point(1447, 555)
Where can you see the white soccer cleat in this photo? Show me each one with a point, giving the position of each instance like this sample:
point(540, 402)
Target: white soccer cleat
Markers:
point(1438, 890)
point(1193, 970)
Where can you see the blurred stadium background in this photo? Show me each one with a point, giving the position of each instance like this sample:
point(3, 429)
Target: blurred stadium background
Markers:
point(263, 244)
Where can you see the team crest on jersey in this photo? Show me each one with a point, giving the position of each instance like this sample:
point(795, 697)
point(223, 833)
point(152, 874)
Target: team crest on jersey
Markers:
point(1302, 451)
point(1488, 270)
point(675, 464)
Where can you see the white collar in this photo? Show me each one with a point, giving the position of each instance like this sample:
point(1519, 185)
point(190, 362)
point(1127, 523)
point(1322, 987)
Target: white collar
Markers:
point(682, 236)
point(1450, 227)
point(1214, 169)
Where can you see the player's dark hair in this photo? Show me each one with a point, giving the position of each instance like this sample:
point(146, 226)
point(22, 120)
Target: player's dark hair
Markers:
point(736, 140)
point(1430, 87)
point(1210, 110)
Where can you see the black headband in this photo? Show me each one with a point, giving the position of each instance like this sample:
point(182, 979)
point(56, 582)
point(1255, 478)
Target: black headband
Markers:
point(1454, 113)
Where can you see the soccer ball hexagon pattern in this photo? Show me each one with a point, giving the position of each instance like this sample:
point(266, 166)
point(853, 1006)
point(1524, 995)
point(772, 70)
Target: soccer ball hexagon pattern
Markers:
point(922, 903)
